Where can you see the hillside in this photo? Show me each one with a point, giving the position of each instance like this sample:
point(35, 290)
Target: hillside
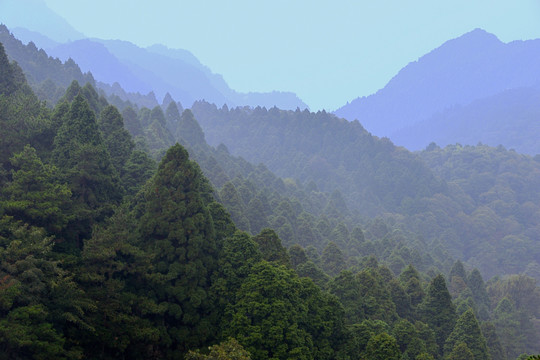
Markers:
point(510, 118)
point(103, 254)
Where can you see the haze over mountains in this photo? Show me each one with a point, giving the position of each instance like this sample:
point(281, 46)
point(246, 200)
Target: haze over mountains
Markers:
point(294, 234)
point(444, 97)
point(156, 68)
point(474, 66)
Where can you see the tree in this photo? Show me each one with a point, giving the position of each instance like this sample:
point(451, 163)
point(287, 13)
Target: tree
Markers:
point(468, 331)
point(35, 196)
point(256, 215)
point(268, 315)
point(411, 283)
point(83, 159)
point(176, 230)
point(271, 248)
point(492, 341)
point(226, 350)
point(115, 137)
point(188, 131)
point(39, 301)
point(438, 311)
point(333, 260)
point(231, 199)
point(461, 352)
point(382, 347)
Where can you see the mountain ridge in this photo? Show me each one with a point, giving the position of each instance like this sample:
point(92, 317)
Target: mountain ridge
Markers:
point(472, 66)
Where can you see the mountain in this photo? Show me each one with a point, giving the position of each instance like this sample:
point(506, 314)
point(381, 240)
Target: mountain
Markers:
point(163, 71)
point(96, 58)
point(473, 66)
point(510, 118)
point(36, 16)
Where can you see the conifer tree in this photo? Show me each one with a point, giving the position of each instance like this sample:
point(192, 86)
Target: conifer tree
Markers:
point(35, 195)
point(231, 199)
point(461, 352)
point(256, 215)
point(115, 137)
point(438, 311)
point(80, 154)
point(172, 116)
point(333, 260)
point(271, 248)
point(468, 331)
point(176, 228)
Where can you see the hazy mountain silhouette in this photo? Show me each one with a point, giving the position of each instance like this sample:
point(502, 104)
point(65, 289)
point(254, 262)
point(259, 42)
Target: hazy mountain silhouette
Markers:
point(96, 58)
point(473, 66)
point(136, 69)
point(510, 118)
point(36, 16)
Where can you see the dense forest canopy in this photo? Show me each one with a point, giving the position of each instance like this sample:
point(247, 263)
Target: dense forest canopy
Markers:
point(125, 234)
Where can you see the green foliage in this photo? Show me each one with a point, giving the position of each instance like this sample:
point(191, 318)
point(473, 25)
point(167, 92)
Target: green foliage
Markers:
point(176, 230)
point(461, 352)
point(116, 138)
point(226, 350)
point(467, 331)
point(35, 195)
point(382, 347)
point(271, 248)
point(86, 165)
point(438, 311)
point(38, 300)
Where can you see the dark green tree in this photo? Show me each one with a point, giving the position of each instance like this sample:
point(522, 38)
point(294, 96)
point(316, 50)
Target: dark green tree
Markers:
point(176, 230)
point(382, 347)
point(461, 352)
point(116, 138)
point(468, 331)
point(81, 156)
point(35, 196)
point(226, 350)
point(271, 248)
point(333, 260)
point(438, 311)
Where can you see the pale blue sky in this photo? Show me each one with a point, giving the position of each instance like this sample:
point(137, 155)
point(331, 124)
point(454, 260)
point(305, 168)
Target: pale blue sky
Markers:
point(328, 52)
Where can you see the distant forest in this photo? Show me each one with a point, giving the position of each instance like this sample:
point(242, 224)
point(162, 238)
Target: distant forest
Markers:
point(203, 232)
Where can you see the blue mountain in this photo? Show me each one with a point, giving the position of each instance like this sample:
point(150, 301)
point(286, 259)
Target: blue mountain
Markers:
point(474, 66)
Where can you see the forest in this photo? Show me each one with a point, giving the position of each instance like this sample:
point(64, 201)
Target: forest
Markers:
point(164, 232)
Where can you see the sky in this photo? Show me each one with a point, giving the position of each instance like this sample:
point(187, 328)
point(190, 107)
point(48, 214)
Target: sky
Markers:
point(327, 52)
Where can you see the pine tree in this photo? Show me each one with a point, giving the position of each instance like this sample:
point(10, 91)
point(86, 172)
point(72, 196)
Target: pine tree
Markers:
point(35, 195)
point(176, 228)
point(468, 331)
point(333, 260)
point(188, 131)
point(85, 164)
point(438, 311)
point(461, 352)
point(172, 116)
point(383, 347)
point(231, 199)
point(271, 248)
point(115, 137)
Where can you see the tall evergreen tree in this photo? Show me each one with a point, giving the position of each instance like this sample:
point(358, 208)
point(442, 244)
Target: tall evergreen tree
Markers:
point(80, 154)
point(115, 137)
point(271, 248)
point(35, 196)
point(468, 331)
point(438, 311)
point(176, 228)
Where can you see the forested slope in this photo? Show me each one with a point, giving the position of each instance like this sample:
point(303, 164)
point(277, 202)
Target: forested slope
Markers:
point(105, 255)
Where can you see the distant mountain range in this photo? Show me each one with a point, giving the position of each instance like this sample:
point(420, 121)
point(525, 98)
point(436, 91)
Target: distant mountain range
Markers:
point(472, 67)
point(156, 68)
